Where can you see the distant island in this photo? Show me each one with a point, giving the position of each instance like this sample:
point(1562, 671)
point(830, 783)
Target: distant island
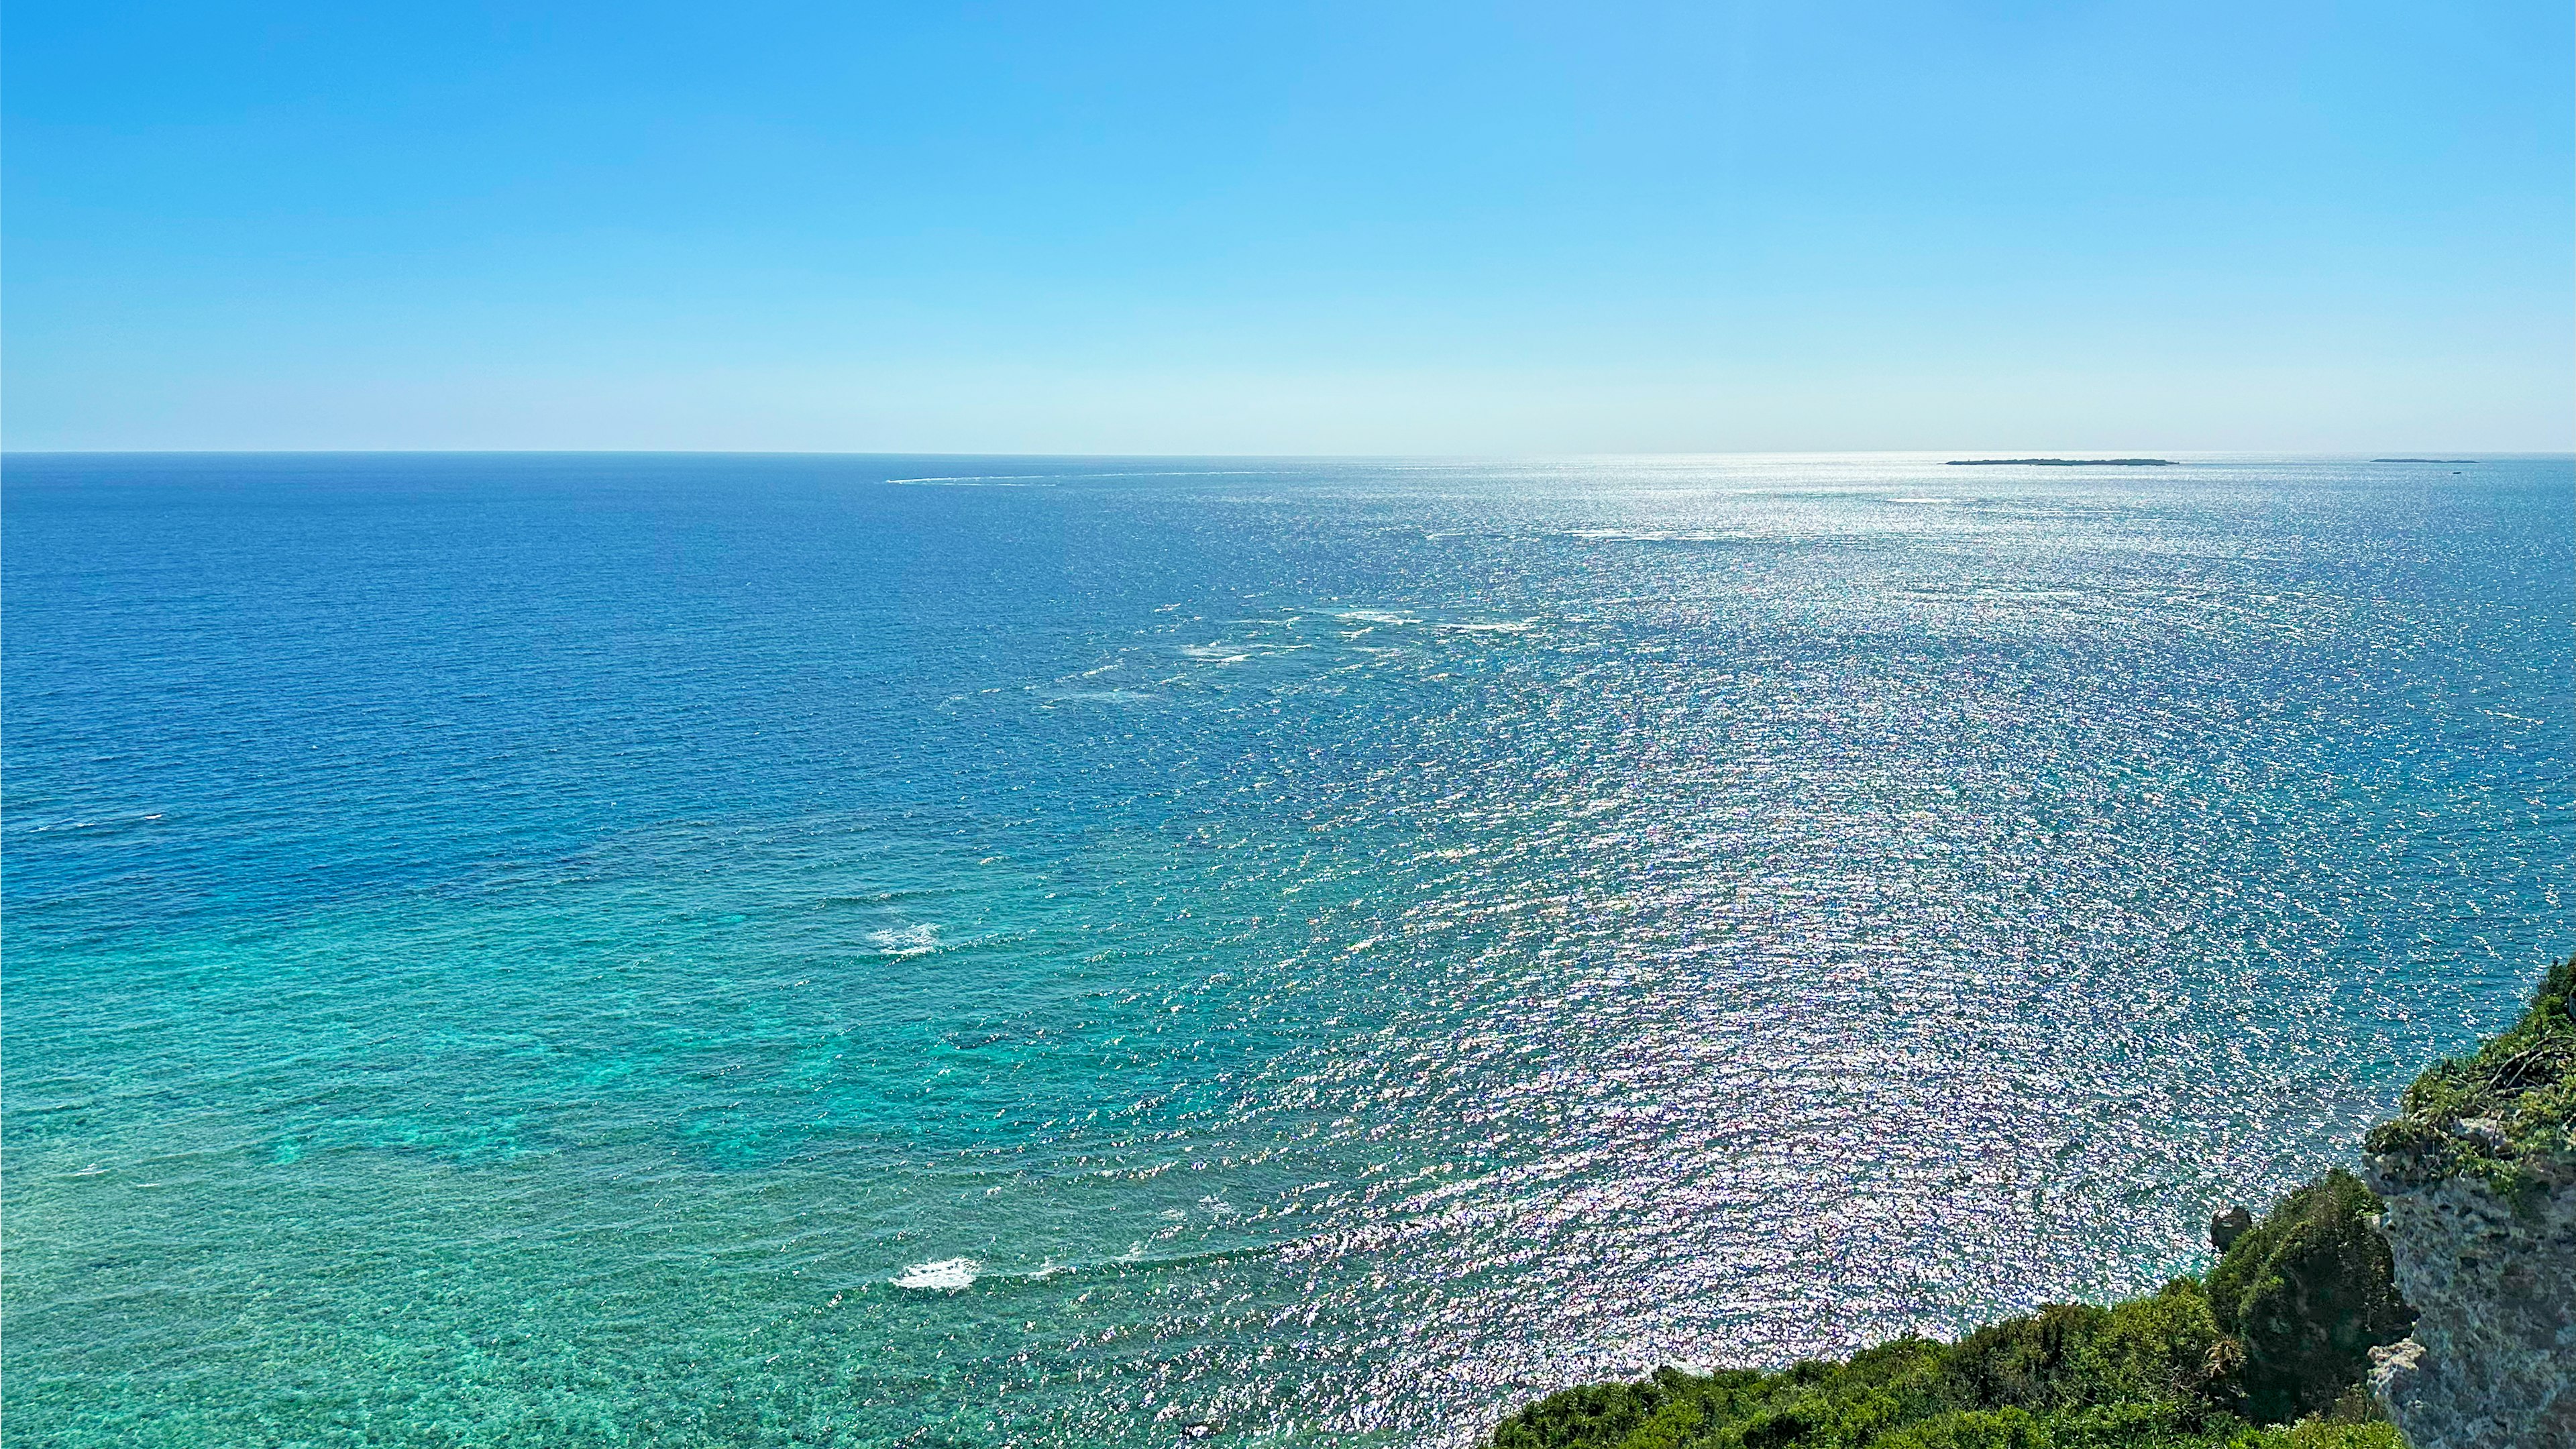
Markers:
point(2423, 460)
point(2062, 462)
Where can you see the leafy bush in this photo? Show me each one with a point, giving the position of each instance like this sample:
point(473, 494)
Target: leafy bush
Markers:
point(2158, 1372)
point(2281, 1330)
point(2309, 1292)
point(2491, 1114)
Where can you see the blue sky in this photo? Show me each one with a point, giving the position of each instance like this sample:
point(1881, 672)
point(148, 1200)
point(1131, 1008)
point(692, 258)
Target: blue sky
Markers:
point(1366, 227)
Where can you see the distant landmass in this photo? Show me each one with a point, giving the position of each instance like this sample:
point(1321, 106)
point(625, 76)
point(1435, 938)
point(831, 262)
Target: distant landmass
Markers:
point(2072, 462)
point(2423, 460)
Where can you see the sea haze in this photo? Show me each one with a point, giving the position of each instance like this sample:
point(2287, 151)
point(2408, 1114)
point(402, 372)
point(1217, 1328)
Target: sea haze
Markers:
point(766, 950)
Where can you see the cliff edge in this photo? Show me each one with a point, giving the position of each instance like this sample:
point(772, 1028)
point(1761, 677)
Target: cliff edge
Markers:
point(2477, 1178)
point(2464, 1237)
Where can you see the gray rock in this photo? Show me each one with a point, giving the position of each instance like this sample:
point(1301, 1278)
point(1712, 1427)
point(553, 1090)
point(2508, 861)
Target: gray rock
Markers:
point(2492, 1360)
point(2486, 1132)
point(2227, 1225)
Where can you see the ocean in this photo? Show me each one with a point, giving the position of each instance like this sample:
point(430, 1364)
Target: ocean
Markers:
point(764, 950)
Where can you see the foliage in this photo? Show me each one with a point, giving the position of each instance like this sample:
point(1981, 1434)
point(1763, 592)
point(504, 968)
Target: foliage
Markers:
point(2158, 1372)
point(2281, 1330)
point(2495, 1113)
point(2308, 1292)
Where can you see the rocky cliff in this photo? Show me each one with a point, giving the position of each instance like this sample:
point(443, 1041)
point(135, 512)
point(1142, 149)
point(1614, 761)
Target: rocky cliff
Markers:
point(2478, 1181)
point(2474, 1220)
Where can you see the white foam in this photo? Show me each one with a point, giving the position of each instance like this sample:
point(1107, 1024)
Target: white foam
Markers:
point(948, 1275)
point(918, 940)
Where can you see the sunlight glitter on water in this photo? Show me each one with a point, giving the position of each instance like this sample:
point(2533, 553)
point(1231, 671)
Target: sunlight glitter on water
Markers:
point(732, 950)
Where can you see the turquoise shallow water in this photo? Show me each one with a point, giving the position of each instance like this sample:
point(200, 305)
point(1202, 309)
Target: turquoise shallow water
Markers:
point(684, 950)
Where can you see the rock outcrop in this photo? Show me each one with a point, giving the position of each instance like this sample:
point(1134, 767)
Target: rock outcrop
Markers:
point(2478, 1182)
point(2306, 1294)
point(2469, 1237)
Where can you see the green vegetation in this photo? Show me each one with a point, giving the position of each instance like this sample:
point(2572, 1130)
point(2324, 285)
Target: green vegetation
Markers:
point(2152, 1373)
point(2268, 1352)
point(2307, 1293)
point(2498, 1113)
point(2280, 1331)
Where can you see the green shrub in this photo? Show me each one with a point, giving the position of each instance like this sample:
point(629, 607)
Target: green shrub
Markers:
point(2514, 1100)
point(1594, 1413)
point(2158, 1372)
point(2314, 1434)
point(2074, 1355)
point(2281, 1331)
point(1974, 1429)
point(2308, 1292)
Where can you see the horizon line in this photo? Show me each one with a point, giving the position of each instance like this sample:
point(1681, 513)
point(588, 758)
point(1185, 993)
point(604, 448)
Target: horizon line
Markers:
point(1983, 451)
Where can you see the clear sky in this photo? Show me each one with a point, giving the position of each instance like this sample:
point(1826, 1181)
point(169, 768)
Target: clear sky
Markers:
point(1290, 227)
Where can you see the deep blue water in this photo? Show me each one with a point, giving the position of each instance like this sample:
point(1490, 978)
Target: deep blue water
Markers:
point(705, 950)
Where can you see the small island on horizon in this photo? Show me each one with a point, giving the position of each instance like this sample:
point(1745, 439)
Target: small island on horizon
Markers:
point(2062, 462)
point(2423, 460)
